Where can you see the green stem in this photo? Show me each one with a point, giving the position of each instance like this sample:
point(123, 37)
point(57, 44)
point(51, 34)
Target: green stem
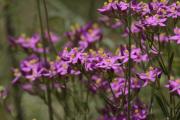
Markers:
point(45, 60)
point(129, 63)
point(49, 100)
point(48, 28)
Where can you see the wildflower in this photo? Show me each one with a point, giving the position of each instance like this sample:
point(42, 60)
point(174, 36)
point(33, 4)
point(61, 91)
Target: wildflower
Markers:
point(141, 8)
point(31, 68)
point(84, 36)
point(173, 10)
point(154, 21)
point(114, 24)
point(162, 38)
point(122, 6)
point(73, 56)
point(150, 76)
point(62, 67)
point(174, 86)
point(106, 9)
point(54, 37)
point(139, 110)
point(97, 83)
point(136, 84)
point(136, 55)
point(109, 63)
point(118, 86)
point(176, 37)
point(34, 43)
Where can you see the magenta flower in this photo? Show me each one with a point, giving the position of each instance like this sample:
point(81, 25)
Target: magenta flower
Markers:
point(84, 36)
point(118, 86)
point(174, 86)
point(162, 38)
point(93, 58)
point(106, 9)
point(61, 67)
point(30, 68)
point(176, 37)
point(109, 63)
point(141, 8)
point(173, 10)
point(34, 43)
point(155, 20)
point(73, 56)
point(122, 6)
point(150, 76)
point(112, 8)
point(114, 24)
point(98, 83)
point(29, 43)
point(136, 83)
point(54, 37)
point(139, 111)
point(136, 55)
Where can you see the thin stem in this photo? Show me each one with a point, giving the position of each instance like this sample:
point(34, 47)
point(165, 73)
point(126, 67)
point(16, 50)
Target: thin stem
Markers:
point(45, 60)
point(87, 101)
point(109, 84)
point(42, 31)
point(48, 28)
point(129, 63)
point(49, 101)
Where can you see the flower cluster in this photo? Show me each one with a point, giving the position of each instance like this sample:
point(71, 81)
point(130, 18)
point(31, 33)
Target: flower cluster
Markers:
point(146, 17)
point(34, 43)
point(85, 36)
point(111, 70)
point(139, 112)
point(67, 62)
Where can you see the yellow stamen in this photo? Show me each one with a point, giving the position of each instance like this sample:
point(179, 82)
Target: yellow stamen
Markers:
point(72, 55)
point(77, 26)
point(136, 111)
point(39, 45)
point(117, 51)
point(126, 51)
point(105, 3)
point(65, 66)
point(33, 61)
point(151, 68)
point(110, 1)
point(58, 58)
point(98, 81)
point(95, 25)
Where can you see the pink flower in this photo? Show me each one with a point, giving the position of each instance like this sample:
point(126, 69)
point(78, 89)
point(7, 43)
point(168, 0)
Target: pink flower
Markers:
point(176, 37)
point(174, 86)
point(154, 21)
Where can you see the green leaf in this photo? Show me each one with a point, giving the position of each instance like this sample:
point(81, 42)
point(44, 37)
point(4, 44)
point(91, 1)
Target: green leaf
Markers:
point(177, 115)
point(162, 105)
point(162, 67)
point(170, 62)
